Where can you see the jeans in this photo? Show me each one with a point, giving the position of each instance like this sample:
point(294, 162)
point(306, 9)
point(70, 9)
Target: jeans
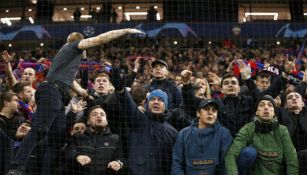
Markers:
point(49, 121)
point(247, 159)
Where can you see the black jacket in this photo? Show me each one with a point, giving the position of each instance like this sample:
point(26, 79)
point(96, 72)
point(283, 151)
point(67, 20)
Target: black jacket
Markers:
point(293, 121)
point(8, 148)
point(102, 147)
point(9, 125)
point(235, 112)
point(110, 104)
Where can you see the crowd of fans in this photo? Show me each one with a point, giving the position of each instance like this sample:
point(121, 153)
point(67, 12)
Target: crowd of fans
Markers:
point(158, 110)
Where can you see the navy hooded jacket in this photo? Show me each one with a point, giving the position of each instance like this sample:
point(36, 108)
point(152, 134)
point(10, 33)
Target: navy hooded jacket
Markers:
point(150, 140)
point(201, 151)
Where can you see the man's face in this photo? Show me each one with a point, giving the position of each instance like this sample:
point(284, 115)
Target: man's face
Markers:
point(102, 85)
point(26, 94)
point(230, 86)
point(178, 80)
point(22, 130)
point(97, 119)
point(116, 63)
point(28, 76)
point(265, 110)
point(294, 101)
point(156, 105)
point(13, 104)
point(207, 115)
point(78, 128)
point(159, 71)
point(263, 83)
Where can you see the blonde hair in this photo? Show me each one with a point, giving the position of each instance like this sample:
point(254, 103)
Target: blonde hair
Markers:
point(75, 36)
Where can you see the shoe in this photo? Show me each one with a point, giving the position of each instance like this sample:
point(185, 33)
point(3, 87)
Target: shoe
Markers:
point(16, 172)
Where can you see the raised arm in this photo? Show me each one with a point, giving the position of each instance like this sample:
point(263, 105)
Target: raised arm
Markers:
point(135, 117)
point(105, 38)
point(79, 90)
point(8, 69)
point(190, 101)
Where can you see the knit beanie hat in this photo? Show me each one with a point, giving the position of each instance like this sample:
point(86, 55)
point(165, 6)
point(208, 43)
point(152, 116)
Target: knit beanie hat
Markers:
point(268, 98)
point(159, 93)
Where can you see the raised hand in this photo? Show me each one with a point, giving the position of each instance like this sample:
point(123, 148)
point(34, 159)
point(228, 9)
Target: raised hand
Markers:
point(186, 74)
point(230, 66)
point(79, 106)
point(245, 70)
point(213, 78)
point(117, 82)
point(6, 56)
point(137, 64)
point(289, 66)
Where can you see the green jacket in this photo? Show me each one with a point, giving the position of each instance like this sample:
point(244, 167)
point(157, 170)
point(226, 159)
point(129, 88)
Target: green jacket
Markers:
point(274, 149)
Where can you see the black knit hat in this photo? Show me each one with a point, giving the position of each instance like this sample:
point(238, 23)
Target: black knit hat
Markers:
point(268, 98)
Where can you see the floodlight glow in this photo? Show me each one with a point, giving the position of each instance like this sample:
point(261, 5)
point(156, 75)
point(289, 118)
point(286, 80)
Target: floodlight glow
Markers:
point(31, 20)
point(262, 14)
point(128, 14)
point(83, 16)
point(8, 20)
point(158, 16)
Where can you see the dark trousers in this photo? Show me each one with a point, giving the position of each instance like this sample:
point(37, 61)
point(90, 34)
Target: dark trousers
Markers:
point(49, 121)
point(302, 156)
point(247, 159)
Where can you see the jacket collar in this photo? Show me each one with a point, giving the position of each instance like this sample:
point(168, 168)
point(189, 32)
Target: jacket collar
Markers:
point(160, 117)
point(203, 131)
point(103, 131)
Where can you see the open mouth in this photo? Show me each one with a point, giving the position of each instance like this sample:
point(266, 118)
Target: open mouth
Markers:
point(101, 88)
point(209, 118)
point(23, 131)
point(156, 108)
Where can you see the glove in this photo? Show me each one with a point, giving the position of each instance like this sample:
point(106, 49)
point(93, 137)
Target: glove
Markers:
point(117, 81)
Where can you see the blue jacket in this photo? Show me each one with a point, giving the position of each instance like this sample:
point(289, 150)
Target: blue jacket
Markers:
point(201, 151)
point(150, 140)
